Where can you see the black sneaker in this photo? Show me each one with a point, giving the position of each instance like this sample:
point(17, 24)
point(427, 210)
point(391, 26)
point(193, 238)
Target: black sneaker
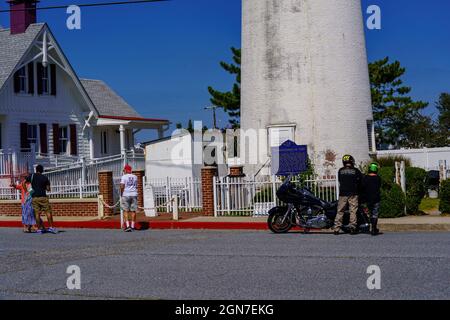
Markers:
point(336, 232)
point(127, 229)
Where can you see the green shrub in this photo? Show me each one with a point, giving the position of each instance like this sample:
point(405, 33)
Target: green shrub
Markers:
point(389, 161)
point(392, 197)
point(392, 202)
point(415, 189)
point(444, 195)
point(387, 175)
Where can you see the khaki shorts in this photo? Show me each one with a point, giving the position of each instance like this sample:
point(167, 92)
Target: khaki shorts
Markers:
point(129, 204)
point(41, 205)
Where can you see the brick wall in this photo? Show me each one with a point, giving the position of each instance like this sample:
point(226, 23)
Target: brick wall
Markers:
point(60, 207)
point(208, 174)
point(105, 188)
point(140, 175)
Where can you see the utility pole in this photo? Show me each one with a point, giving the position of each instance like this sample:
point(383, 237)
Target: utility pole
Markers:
point(213, 108)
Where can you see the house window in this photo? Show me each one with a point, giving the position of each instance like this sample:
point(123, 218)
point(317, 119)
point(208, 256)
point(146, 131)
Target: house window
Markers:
point(22, 74)
point(104, 142)
point(32, 136)
point(63, 139)
point(45, 80)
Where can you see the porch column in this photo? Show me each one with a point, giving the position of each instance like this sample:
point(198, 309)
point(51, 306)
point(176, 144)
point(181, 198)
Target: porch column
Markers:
point(91, 143)
point(123, 149)
point(160, 133)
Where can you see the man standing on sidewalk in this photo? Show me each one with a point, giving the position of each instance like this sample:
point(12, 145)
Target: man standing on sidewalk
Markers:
point(349, 187)
point(128, 190)
point(40, 185)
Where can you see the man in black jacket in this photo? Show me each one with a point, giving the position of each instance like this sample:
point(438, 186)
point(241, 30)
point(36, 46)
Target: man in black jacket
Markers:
point(349, 187)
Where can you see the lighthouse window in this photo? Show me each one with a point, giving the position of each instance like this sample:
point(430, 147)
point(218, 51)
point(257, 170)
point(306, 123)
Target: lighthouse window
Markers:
point(279, 135)
point(371, 135)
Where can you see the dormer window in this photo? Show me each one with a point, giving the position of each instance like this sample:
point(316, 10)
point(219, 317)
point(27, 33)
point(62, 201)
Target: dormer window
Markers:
point(45, 81)
point(22, 74)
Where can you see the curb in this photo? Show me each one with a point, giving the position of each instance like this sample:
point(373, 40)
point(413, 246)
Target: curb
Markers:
point(155, 225)
point(177, 225)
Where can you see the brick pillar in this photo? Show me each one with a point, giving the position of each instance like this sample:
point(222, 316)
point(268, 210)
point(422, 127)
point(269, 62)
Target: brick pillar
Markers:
point(105, 188)
point(208, 173)
point(140, 176)
point(237, 172)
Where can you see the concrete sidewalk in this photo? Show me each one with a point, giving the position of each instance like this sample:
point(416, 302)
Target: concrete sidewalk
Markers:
point(409, 223)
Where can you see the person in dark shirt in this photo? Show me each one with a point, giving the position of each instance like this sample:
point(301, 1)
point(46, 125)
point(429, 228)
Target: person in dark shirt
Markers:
point(349, 187)
point(371, 195)
point(40, 185)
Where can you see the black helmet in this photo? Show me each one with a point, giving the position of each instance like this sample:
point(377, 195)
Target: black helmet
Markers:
point(348, 159)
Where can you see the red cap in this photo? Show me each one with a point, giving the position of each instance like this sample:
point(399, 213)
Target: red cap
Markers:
point(127, 169)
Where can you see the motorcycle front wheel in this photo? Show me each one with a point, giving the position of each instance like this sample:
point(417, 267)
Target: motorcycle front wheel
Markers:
point(276, 223)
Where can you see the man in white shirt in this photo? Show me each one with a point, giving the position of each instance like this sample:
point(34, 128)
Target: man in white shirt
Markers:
point(128, 190)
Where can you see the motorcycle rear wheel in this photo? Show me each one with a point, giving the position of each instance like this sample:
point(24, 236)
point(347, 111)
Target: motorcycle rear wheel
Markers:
point(276, 224)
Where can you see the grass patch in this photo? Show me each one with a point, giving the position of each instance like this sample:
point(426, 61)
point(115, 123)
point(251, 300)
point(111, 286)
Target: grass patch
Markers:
point(429, 205)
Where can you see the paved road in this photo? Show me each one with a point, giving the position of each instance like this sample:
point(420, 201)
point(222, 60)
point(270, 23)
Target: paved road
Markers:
point(223, 265)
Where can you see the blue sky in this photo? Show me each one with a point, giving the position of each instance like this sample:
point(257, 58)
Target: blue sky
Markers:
point(161, 57)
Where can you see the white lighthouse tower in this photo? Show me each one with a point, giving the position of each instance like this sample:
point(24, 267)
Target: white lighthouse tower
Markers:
point(305, 78)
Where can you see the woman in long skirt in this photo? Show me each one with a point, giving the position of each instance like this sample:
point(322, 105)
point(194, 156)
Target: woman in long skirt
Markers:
point(28, 219)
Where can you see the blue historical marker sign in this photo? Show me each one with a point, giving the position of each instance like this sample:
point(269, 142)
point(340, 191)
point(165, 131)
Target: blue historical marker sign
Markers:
point(289, 158)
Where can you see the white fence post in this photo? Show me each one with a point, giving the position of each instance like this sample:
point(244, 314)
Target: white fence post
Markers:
point(80, 184)
point(215, 186)
point(175, 207)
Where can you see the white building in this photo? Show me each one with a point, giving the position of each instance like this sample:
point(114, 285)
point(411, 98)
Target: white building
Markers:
point(178, 157)
point(45, 105)
point(305, 78)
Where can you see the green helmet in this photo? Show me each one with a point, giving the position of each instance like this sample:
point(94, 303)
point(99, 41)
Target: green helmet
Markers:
point(373, 167)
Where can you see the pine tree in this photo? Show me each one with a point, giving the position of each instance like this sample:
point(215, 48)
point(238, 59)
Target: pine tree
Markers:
point(230, 101)
point(443, 106)
point(397, 116)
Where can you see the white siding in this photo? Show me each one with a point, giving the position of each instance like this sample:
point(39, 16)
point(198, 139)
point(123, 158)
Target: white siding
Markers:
point(170, 158)
point(64, 109)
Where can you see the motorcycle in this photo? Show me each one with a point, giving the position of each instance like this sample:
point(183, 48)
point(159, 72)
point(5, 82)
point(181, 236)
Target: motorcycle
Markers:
point(307, 211)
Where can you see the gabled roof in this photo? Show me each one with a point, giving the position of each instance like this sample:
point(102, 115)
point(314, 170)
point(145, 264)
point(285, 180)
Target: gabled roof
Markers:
point(13, 48)
point(98, 95)
point(106, 101)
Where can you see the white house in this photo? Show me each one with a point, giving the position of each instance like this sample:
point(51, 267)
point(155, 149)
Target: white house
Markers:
point(44, 105)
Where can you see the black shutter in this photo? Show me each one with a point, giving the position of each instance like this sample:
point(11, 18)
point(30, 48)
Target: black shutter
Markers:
point(53, 79)
point(24, 143)
point(31, 78)
point(39, 78)
point(43, 138)
point(73, 140)
point(56, 149)
point(16, 82)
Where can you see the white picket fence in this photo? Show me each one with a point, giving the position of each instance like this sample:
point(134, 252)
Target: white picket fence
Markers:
point(188, 190)
point(63, 190)
point(245, 197)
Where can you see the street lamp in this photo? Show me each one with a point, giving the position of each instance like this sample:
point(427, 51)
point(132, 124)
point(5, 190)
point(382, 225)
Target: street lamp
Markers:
point(213, 108)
